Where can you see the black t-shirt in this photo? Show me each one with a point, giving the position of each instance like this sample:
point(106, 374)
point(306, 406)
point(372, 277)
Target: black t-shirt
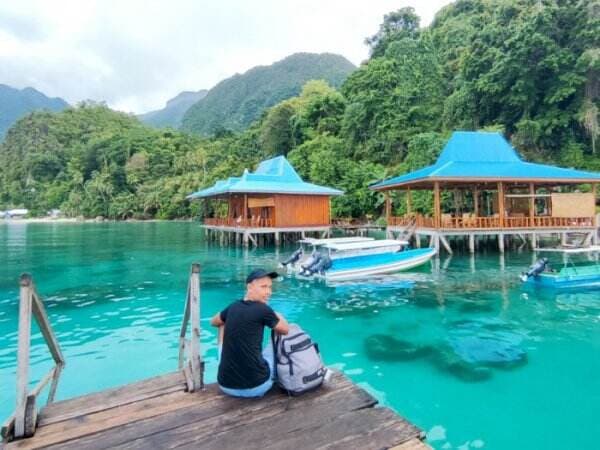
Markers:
point(242, 365)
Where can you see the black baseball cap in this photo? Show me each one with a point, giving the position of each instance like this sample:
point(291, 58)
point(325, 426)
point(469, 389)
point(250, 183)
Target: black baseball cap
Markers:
point(260, 273)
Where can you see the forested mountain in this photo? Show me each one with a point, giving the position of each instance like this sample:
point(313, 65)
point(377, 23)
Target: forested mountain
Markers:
point(528, 68)
point(172, 114)
point(15, 103)
point(236, 102)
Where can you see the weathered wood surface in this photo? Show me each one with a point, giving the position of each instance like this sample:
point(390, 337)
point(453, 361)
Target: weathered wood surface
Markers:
point(157, 413)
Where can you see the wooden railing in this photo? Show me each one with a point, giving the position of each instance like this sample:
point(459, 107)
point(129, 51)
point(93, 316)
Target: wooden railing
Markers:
point(257, 222)
point(23, 421)
point(193, 366)
point(467, 222)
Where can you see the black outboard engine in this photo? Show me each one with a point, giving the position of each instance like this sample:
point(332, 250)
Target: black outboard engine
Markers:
point(308, 267)
point(321, 266)
point(293, 258)
point(538, 267)
point(313, 258)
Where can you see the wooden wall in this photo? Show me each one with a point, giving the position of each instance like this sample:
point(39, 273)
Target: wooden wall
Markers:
point(573, 205)
point(301, 210)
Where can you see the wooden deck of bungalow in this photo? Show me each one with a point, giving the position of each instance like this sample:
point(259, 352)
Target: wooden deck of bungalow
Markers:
point(158, 413)
point(527, 230)
point(178, 410)
point(257, 232)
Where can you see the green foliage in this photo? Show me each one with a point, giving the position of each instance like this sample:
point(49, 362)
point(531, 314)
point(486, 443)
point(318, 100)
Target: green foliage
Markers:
point(15, 103)
point(238, 101)
point(172, 114)
point(529, 69)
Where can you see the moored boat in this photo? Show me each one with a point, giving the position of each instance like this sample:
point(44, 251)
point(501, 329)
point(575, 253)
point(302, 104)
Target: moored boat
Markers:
point(339, 261)
point(572, 275)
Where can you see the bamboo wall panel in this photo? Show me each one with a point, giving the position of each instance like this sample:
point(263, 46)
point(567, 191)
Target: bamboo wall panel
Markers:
point(301, 210)
point(573, 205)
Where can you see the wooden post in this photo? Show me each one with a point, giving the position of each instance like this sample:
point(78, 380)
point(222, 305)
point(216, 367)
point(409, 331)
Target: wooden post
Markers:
point(436, 204)
point(594, 220)
point(501, 242)
point(388, 207)
point(476, 201)
point(408, 201)
point(245, 217)
point(471, 243)
point(195, 357)
point(25, 305)
point(531, 205)
point(501, 204)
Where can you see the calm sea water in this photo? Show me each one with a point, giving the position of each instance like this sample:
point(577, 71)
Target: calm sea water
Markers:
point(466, 354)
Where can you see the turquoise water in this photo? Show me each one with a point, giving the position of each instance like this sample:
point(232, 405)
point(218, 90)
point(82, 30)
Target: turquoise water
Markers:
point(465, 354)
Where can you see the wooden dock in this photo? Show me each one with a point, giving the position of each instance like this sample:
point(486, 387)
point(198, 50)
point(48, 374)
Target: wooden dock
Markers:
point(158, 413)
point(178, 411)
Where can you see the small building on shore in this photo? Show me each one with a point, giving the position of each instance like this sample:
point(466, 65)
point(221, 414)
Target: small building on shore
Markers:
point(271, 200)
point(492, 191)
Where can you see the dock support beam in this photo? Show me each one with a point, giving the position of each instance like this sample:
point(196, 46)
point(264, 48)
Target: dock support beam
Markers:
point(471, 243)
point(501, 242)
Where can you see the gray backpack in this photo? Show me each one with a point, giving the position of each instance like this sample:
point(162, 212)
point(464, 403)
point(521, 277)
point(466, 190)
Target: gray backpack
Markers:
point(298, 363)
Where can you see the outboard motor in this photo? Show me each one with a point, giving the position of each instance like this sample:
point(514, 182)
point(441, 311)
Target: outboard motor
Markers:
point(313, 258)
point(322, 265)
point(308, 267)
point(293, 258)
point(538, 267)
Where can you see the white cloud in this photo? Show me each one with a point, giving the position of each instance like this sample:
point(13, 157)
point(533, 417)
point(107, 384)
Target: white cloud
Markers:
point(135, 55)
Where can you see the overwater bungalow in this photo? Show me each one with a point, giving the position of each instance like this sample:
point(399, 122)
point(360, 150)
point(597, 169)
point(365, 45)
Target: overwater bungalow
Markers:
point(493, 192)
point(269, 202)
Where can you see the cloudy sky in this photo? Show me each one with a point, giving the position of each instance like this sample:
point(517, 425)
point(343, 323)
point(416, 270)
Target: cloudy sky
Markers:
point(135, 55)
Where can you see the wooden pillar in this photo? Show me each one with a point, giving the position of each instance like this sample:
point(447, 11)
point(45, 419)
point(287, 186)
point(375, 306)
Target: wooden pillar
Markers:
point(388, 207)
point(471, 243)
point(408, 201)
point(594, 221)
point(501, 242)
point(437, 210)
point(277, 238)
point(476, 201)
point(245, 209)
point(24, 333)
point(531, 204)
point(501, 204)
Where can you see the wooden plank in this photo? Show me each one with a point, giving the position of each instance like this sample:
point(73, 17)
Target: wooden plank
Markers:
point(195, 322)
point(211, 413)
point(110, 398)
point(322, 425)
point(39, 313)
point(106, 419)
point(413, 444)
point(252, 420)
point(24, 341)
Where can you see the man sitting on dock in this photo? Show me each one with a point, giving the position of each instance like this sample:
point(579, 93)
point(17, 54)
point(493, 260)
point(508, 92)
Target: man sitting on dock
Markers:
point(245, 370)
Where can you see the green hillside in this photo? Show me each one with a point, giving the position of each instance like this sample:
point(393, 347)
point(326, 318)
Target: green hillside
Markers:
point(15, 103)
point(530, 69)
point(172, 114)
point(236, 102)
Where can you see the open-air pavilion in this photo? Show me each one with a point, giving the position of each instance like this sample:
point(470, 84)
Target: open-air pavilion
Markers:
point(268, 202)
point(493, 192)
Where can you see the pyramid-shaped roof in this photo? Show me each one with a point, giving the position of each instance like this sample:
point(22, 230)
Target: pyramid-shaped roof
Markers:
point(485, 156)
point(273, 176)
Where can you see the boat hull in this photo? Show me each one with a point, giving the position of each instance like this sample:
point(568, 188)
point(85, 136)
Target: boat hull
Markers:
point(559, 282)
point(366, 266)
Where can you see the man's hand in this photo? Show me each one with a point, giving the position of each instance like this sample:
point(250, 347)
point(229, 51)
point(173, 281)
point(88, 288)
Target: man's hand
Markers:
point(216, 320)
point(282, 326)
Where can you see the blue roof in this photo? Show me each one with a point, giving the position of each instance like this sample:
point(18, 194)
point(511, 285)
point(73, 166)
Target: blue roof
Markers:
point(273, 176)
point(484, 156)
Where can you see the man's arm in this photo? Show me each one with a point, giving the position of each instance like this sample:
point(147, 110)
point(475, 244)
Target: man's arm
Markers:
point(282, 326)
point(216, 320)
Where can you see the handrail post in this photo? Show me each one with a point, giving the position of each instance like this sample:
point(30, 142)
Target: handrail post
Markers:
point(195, 316)
point(25, 306)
